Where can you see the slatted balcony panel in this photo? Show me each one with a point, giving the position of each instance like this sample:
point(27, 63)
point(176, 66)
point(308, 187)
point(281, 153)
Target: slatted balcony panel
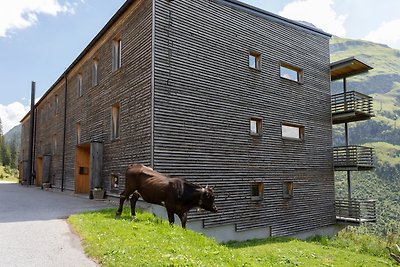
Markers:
point(355, 210)
point(353, 158)
point(351, 106)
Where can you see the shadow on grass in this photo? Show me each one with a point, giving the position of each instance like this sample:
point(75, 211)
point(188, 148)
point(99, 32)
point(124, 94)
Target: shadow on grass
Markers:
point(257, 242)
point(141, 215)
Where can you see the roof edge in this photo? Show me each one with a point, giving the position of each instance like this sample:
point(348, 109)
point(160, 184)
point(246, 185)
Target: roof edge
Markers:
point(106, 27)
point(271, 16)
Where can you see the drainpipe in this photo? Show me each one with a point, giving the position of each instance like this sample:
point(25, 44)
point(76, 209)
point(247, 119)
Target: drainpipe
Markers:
point(31, 134)
point(64, 132)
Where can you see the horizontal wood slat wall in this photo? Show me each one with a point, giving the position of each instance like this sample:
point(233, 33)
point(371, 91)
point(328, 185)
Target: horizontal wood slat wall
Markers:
point(205, 95)
point(130, 86)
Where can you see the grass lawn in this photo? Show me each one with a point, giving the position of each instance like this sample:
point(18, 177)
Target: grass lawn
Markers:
point(9, 176)
point(151, 241)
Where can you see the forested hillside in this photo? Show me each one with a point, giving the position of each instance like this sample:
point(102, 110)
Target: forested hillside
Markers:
point(382, 132)
point(9, 150)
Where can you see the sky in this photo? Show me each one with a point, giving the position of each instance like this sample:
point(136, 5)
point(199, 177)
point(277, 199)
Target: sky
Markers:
point(39, 39)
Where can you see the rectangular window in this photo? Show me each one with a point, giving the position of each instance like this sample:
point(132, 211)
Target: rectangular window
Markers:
point(292, 131)
point(95, 74)
point(255, 60)
point(54, 144)
point(56, 104)
point(255, 126)
point(78, 133)
point(80, 85)
point(84, 170)
point(287, 189)
point(115, 121)
point(291, 73)
point(116, 54)
point(257, 191)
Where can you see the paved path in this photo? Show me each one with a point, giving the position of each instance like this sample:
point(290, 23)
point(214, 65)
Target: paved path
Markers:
point(33, 230)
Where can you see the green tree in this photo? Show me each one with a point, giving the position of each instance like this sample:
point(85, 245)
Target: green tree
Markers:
point(5, 151)
point(1, 143)
point(5, 155)
point(13, 153)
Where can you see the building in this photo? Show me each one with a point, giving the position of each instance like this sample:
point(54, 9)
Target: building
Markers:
point(217, 91)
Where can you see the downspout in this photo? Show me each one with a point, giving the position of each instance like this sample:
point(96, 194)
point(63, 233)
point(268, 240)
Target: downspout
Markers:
point(153, 36)
point(64, 132)
point(31, 134)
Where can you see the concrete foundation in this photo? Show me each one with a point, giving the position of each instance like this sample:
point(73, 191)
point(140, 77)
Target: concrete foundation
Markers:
point(221, 233)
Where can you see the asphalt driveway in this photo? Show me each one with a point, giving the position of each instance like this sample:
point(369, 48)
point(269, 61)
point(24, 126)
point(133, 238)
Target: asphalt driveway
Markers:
point(33, 230)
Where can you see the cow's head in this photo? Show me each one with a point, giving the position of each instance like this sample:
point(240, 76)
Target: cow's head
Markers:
point(207, 199)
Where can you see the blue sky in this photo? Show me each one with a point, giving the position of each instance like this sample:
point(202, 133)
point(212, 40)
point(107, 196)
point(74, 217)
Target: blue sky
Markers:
point(39, 39)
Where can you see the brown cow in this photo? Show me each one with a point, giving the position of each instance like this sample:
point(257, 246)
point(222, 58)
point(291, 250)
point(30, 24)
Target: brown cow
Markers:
point(176, 194)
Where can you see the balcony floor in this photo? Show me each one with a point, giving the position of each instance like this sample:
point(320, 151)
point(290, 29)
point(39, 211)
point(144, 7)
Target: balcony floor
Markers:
point(350, 116)
point(353, 220)
point(354, 168)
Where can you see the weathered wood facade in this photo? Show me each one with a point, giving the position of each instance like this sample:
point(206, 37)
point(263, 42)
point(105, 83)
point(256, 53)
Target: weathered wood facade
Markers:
point(186, 96)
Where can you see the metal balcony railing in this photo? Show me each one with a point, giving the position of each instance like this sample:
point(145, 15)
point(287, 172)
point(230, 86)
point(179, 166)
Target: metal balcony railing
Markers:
point(351, 106)
point(356, 158)
point(355, 210)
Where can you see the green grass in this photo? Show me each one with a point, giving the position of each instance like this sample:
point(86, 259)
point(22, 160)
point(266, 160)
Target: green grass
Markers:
point(8, 175)
point(150, 241)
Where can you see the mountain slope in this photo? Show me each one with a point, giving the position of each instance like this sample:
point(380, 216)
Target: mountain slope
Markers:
point(382, 132)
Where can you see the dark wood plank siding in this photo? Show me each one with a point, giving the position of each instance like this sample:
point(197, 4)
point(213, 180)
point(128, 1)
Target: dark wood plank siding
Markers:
point(49, 130)
point(130, 86)
point(205, 95)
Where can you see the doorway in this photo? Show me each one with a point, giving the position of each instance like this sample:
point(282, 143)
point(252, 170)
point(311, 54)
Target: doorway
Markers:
point(82, 169)
point(39, 171)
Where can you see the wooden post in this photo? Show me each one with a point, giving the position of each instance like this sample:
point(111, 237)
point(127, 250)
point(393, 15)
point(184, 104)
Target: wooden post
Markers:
point(96, 167)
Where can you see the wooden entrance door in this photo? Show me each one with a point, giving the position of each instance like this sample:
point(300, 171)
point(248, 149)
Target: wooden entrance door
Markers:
point(39, 171)
point(82, 168)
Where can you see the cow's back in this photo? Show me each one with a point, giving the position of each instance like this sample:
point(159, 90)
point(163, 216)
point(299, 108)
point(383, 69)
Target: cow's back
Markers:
point(137, 174)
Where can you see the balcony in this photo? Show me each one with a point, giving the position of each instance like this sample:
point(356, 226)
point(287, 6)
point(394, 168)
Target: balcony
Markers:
point(355, 210)
point(353, 158)
point(351, 106)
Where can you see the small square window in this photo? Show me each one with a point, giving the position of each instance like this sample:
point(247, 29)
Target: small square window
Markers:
point(257, 191)
point(114, 182)
point(287, 189)
point(291, 131)
point(255, 126)
point(84, 170)
point(255, 60)
point(291, 72)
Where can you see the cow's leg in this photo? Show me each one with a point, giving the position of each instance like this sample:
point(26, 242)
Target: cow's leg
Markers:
point(122, 199)
point(183, 218)
point(124, 196)
point(134, 198)
point(171, 217)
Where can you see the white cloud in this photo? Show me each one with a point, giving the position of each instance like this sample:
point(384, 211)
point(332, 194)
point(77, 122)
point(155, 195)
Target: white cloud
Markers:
point(22, 14)
point(388, 33)
point(11, 115)
point(318, 12)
